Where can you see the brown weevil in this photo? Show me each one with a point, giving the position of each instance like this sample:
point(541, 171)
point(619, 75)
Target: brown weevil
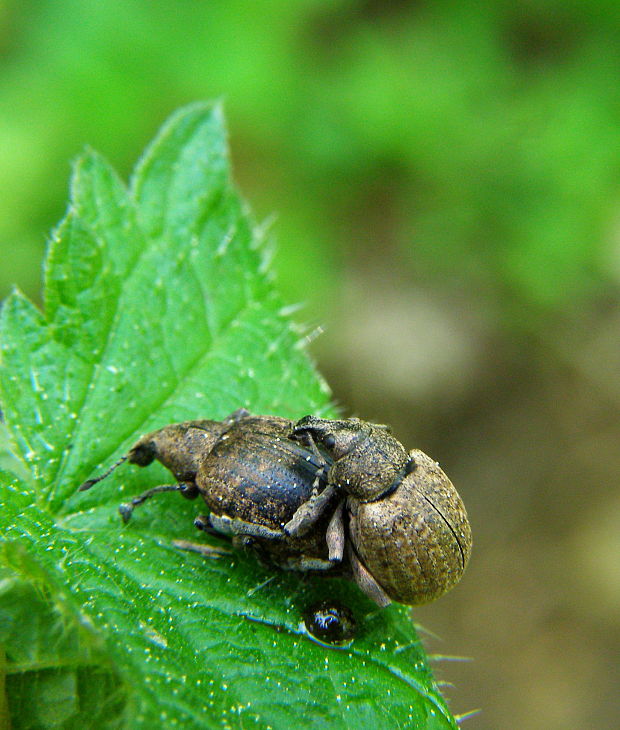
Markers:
point(337, 496)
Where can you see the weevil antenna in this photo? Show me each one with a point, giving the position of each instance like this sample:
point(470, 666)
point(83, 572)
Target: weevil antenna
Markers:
point(89, 482)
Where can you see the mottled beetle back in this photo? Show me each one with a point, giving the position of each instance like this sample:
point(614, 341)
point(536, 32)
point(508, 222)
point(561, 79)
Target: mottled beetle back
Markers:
point(416, 542)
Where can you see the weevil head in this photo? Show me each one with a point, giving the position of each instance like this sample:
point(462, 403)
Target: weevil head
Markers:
point(338, 438)
point(180, 447)
point(367, 458)
point(144, 451)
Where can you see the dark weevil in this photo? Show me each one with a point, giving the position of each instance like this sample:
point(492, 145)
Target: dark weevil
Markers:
point(318, 494)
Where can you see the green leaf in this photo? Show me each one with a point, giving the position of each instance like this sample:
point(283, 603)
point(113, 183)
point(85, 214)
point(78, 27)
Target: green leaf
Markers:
point(57, 674)
point(159, 309)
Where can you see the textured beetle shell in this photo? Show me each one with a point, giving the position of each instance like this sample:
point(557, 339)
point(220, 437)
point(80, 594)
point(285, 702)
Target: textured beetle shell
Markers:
point(256, 473)
point(415, 542)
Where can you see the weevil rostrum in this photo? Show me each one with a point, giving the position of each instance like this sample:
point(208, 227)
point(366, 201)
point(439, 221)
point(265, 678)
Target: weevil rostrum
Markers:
point(335, 496)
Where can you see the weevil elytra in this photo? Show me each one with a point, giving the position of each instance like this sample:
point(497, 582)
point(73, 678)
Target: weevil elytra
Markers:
point(337, 496)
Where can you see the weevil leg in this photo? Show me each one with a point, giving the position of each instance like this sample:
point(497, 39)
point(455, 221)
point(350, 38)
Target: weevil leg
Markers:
point(203, 523)
point(308, 441)
point(335, 535)
point(187, 489)
point(209, 551)
point(234, 526)
point(305, 564)
point(365, 581)
point(307, 515)
point(244, 542)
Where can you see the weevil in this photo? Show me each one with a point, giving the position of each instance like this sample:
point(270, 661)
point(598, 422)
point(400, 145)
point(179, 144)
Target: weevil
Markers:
point(335, 496)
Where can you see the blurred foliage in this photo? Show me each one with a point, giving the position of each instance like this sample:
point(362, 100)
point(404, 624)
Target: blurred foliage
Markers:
point(445, 177)
point(475, 141)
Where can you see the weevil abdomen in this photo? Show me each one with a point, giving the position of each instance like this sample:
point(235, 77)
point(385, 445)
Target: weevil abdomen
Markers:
point(416, 542)
point(258, 476)
point(258, 473)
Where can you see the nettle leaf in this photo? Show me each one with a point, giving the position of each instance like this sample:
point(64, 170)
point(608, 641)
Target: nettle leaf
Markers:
point(58, 674)
point(158, 308)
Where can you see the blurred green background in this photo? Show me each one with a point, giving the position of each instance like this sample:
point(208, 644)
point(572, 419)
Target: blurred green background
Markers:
point(446, 183)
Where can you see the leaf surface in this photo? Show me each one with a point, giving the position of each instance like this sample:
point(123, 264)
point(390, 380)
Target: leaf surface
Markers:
point(159, 309)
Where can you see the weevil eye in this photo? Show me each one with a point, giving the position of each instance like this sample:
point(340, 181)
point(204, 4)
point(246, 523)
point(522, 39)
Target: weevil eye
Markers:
point(142, 454)
point(329, 441)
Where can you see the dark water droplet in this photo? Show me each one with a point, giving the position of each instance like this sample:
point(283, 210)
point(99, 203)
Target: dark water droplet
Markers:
point(330, 621)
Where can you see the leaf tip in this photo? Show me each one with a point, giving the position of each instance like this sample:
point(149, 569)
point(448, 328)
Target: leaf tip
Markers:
point(14, 303)
point(84, 159)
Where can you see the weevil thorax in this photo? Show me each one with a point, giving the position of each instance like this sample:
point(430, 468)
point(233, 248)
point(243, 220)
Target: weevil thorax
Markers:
point(368, 460)
point(179, 447)
point(416, 541)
